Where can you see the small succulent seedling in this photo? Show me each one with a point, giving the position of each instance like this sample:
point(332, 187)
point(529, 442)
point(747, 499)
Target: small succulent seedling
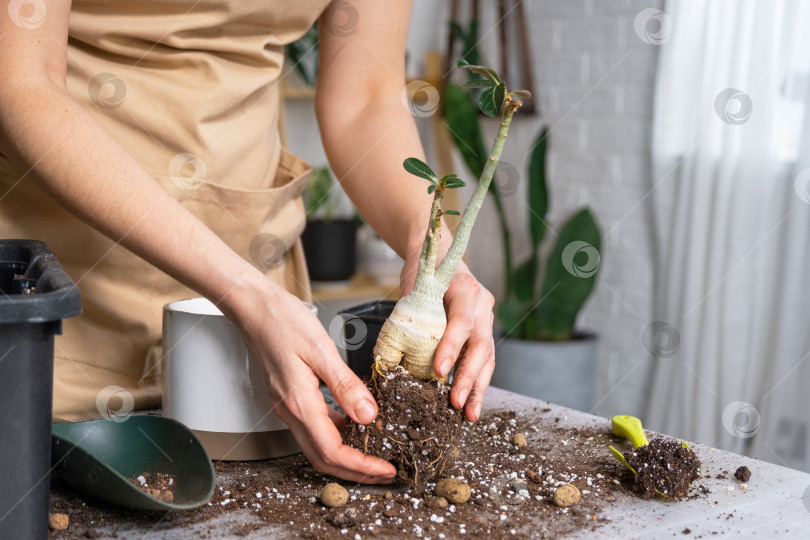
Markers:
point(412, 333)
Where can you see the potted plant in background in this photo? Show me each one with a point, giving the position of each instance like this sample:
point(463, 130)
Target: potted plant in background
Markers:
point(540, 353)
point(330, 237)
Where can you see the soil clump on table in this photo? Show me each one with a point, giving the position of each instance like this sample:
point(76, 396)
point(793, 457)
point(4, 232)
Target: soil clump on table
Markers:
point(416, 427)
point(664, 466)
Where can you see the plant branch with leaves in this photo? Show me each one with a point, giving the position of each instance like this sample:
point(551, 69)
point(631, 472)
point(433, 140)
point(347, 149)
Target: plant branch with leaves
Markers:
point(412, 333)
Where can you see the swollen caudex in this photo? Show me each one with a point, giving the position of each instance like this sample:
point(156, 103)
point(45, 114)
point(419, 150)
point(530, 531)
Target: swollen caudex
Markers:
point(411, 334)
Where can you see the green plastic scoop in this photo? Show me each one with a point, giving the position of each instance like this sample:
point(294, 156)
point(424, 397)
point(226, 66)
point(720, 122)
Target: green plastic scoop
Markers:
point(630, 427)
point(97, 457)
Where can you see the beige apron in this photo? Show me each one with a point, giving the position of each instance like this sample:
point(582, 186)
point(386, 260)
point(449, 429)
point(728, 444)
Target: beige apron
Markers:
point(190, 89)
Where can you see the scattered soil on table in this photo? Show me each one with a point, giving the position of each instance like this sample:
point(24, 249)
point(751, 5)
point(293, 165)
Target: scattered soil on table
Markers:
point(743, 474)
point(416, 427)
point(160, 486)
point(512, 492)
point(665, 466)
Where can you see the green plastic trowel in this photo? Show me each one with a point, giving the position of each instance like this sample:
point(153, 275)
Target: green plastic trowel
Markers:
point(98, 457)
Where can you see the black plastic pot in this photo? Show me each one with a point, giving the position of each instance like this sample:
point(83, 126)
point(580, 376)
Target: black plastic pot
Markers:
point(359, 349)
point(330, 248)
point(36, 295)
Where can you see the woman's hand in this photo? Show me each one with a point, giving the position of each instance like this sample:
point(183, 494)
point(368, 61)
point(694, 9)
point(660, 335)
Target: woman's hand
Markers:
point(294, 350)
point(468, 338)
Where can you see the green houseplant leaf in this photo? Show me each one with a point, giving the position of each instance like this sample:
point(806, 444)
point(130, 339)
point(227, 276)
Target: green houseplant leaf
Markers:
point(491, 100)
point(570, 277)
point(538, 190)
point(419, 168)
point(461, 116)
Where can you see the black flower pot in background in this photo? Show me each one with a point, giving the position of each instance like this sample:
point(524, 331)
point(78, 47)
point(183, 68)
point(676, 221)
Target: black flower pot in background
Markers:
point(330, 248)
point(361, 326)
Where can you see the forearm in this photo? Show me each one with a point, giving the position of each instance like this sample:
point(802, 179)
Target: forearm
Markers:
point(77, 162)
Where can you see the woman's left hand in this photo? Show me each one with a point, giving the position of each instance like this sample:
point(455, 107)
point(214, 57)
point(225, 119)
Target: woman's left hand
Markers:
point(468, 338)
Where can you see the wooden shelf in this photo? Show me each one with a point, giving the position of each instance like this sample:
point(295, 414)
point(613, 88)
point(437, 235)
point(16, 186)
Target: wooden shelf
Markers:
point(360, 285)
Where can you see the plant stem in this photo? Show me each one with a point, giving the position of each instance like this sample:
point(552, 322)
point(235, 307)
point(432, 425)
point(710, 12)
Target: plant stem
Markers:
point(427, 260)
point(450, 262)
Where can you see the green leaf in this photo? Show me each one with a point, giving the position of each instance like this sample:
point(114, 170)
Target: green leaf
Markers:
point(461, 116)
point(538, 190)
point(419, 168)
point(451, 213)
point(491, 100)
point(525, 279)
point(460, 62)
point(484, 71)
point(478, 83)
point(512, 316)
point(455, 183)
point(571, 273)
point(431, 188)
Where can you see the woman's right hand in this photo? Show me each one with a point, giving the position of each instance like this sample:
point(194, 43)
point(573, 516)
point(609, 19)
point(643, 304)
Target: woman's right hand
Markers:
point(294, 349)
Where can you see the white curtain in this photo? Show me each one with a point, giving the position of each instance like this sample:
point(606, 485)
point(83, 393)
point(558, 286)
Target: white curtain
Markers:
point(731, 200)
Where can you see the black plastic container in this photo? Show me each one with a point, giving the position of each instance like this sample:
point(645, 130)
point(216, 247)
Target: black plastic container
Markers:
point(330, 248)
point(359, 353)
point(36, 295)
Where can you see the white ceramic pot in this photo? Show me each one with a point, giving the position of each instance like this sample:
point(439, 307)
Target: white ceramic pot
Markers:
point(562, 372)
point(213, 386)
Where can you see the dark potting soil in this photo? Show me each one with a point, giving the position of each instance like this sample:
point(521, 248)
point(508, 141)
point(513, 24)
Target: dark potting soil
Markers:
point(512, 489)
point(663, 465)
point(416, 427)
point(743, 474)
point(161, 486)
